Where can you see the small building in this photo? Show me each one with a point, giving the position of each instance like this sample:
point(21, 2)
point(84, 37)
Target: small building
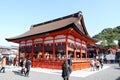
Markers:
point(10, 52)
point(92, 50)
point(51, 42)
point(4, 51)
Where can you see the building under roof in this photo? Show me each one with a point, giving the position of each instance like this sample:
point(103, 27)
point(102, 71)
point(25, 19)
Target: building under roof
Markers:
point(57, 40)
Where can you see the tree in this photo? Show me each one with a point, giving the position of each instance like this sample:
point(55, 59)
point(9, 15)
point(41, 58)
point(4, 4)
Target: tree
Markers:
point(109, 34)
point(119, 43)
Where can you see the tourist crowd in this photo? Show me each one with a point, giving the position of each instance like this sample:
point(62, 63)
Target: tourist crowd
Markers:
point(24, 63)
point(96, 64)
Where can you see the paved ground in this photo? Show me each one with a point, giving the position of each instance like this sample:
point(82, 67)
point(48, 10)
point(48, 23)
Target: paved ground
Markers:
point(110, 72)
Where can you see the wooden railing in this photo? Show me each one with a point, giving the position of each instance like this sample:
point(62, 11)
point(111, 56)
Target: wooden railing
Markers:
point(48, 64)
point(78, 64)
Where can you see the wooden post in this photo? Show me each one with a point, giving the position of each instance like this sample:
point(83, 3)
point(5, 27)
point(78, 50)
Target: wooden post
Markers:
point(86, 52)
point(74, 49)
point(25, 49)
point(66, 46)
point(43, 52)
point(53, 47)
point(81, 51)
point(19, 53)
point(32, 49)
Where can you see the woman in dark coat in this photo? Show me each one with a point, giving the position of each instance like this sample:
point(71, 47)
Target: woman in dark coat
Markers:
point(28, 65)
point(65, 71)
point(70, 64)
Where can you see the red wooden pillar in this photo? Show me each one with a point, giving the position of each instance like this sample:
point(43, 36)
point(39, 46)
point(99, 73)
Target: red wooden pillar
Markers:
point(19, 52)
point(85, 49)
point(74, 54)
point(43, 51)
point(81, 51)
point(66, 46)
point(86, 52)
point(75, 50)
point(53, 47)
point(32, 49)
point(25, 49)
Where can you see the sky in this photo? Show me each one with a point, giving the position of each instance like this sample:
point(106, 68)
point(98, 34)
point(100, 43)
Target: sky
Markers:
point(17, 16)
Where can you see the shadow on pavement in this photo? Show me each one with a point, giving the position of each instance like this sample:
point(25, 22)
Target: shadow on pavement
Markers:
point(117, 68)
point(17, 73)
point(118, 78)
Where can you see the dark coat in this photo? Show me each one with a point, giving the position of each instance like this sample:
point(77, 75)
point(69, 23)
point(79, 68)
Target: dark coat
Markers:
point(28, 64)
point(70, 65)
point(65, 70)
point(70, 62)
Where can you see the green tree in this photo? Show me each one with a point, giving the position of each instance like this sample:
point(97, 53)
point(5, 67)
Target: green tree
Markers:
point(109, 34)
point(119, 43)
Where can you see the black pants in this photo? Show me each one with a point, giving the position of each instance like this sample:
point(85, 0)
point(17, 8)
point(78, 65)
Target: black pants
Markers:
point(65, 78)
point(27, 72)
point(22, 71)
point(3, 68)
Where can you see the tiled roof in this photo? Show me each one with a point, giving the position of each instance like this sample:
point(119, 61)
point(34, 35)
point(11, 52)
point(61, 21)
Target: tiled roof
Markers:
point(51, 26)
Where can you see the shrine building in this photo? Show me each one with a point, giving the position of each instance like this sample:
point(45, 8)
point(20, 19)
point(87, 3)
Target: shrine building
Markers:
point(49, 43)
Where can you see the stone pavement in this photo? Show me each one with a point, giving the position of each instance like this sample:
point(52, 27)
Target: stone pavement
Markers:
point(78, 73)
point(109, 72)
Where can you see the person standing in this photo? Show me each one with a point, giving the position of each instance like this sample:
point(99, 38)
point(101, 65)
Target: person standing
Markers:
point(16, 61)
point(65, 70)
point(28, 65)
point(3, 64)
point(70, 64)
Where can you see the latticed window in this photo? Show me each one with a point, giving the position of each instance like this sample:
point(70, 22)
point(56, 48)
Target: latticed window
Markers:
point(29, 49)
point(48, 47)
point(78, 47)
point(22, 49)
point(71, 45)
point(37, 48)
point(60, 46)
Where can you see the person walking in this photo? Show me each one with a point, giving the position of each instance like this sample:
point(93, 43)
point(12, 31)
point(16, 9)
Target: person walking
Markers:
point(101, 63)
point(92, 64)
point(65, 70)
point(97, 64)
point(3, 64)
point(28, 65)
point(23, 66)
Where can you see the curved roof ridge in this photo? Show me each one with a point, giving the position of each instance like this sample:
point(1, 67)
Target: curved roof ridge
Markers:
point(71, 15)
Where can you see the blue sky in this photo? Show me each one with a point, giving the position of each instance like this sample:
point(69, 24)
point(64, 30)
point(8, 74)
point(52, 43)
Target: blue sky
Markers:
point(16, 16)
